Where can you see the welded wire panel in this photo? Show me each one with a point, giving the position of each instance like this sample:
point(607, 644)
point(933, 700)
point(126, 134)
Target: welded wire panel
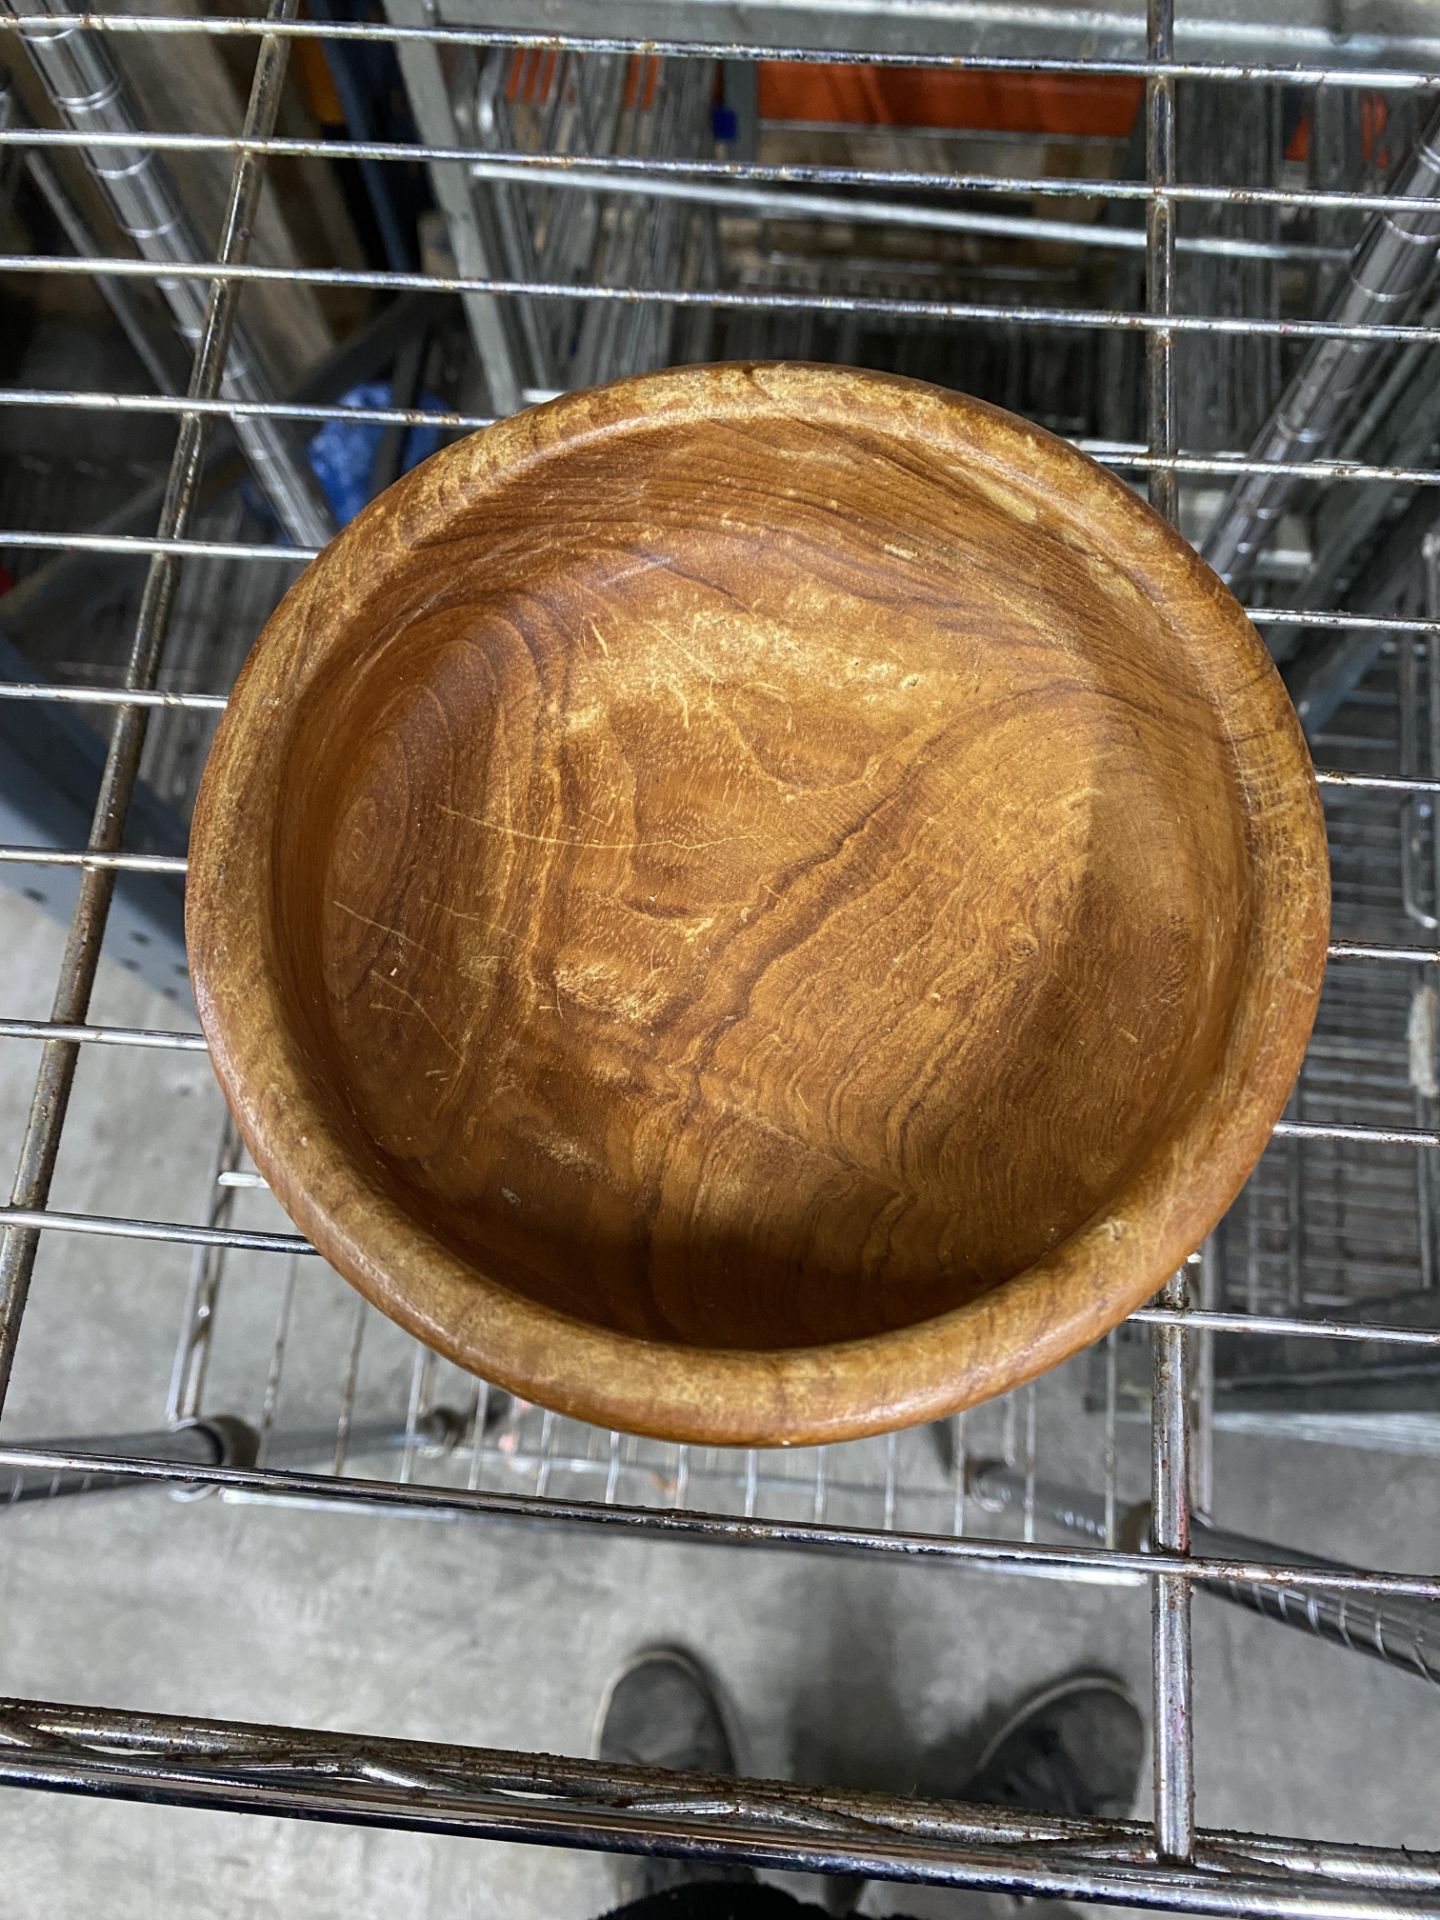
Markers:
point(1151, 307)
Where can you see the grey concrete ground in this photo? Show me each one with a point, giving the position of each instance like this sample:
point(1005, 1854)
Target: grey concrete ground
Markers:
point(841, 1671)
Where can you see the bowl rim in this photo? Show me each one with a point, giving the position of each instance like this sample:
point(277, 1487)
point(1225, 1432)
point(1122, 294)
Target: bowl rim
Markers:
point(797, 1396)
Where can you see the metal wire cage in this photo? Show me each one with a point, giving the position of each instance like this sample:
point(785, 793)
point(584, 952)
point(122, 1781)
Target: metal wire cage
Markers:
point(1238, 317)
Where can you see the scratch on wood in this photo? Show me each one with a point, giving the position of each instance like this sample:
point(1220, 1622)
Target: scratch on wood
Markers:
point(480, 919)
point(380, 927)
point(425, 1015)
point(564, 840)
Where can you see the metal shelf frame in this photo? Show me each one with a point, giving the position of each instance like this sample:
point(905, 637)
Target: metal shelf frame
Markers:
point(970, 1495)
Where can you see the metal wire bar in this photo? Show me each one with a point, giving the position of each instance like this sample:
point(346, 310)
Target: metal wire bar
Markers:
point(347, 1391)
point(143, 545)
point(1375, 1136)
point(1110, 1470)
point(1172, 1666)
point(1363, 950)
point(169, 1232)
point(277, 1360)
point(1364, 78)
point(412, 1808)
point(161, 1037)
point(82, 696)
point(158, 1038)
point(763, 172)
point(159, 403)
point(212, 1755)
point(575, 176)
point(1172, 1757)
point(75, 981)
point(190, 1441)
point(248, 1240)
point(178, 863)
point(1375, 953)
point(503, 1771)
point(1376, 782)
point(728, 299)
point(192, 1352)
point(92, 861)
point(1327, 618)
point(89, 858)
point(175, 1039)
point(1108, 453)
point(1218, 1321)
point(716, 1528)
point(1338, 617)
point(1221, 465)
point(499, 1770)
point(1200, 1319)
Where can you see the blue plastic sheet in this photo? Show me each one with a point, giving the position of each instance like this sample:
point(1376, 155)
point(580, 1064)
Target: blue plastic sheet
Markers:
point(343, 452)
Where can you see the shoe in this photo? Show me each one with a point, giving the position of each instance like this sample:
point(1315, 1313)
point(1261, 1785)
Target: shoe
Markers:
point(662, 1710)
point(1077, 1748)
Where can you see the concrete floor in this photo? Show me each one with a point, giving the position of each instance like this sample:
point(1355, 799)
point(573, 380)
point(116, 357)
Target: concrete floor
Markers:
point(848, 1672)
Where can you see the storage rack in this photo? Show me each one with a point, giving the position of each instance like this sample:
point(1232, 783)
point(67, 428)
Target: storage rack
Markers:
point(1332, 1251)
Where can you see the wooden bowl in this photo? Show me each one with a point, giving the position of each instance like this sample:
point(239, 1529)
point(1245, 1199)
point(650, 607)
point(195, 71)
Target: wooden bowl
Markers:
point(759, 903)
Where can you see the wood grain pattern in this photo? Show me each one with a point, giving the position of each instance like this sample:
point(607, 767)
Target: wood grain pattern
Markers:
point(758, 904)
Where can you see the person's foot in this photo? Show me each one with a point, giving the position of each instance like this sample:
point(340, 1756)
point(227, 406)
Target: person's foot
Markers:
point(662, 1710)
point(1077, 1748)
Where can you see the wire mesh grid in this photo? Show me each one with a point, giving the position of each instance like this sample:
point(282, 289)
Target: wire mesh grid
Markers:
point(599, 219)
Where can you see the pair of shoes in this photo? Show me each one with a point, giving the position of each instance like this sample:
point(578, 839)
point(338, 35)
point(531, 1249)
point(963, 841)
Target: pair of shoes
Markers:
point(1077, 1748)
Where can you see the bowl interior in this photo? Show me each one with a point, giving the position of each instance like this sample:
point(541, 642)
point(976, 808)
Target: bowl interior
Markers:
point(757, 888)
